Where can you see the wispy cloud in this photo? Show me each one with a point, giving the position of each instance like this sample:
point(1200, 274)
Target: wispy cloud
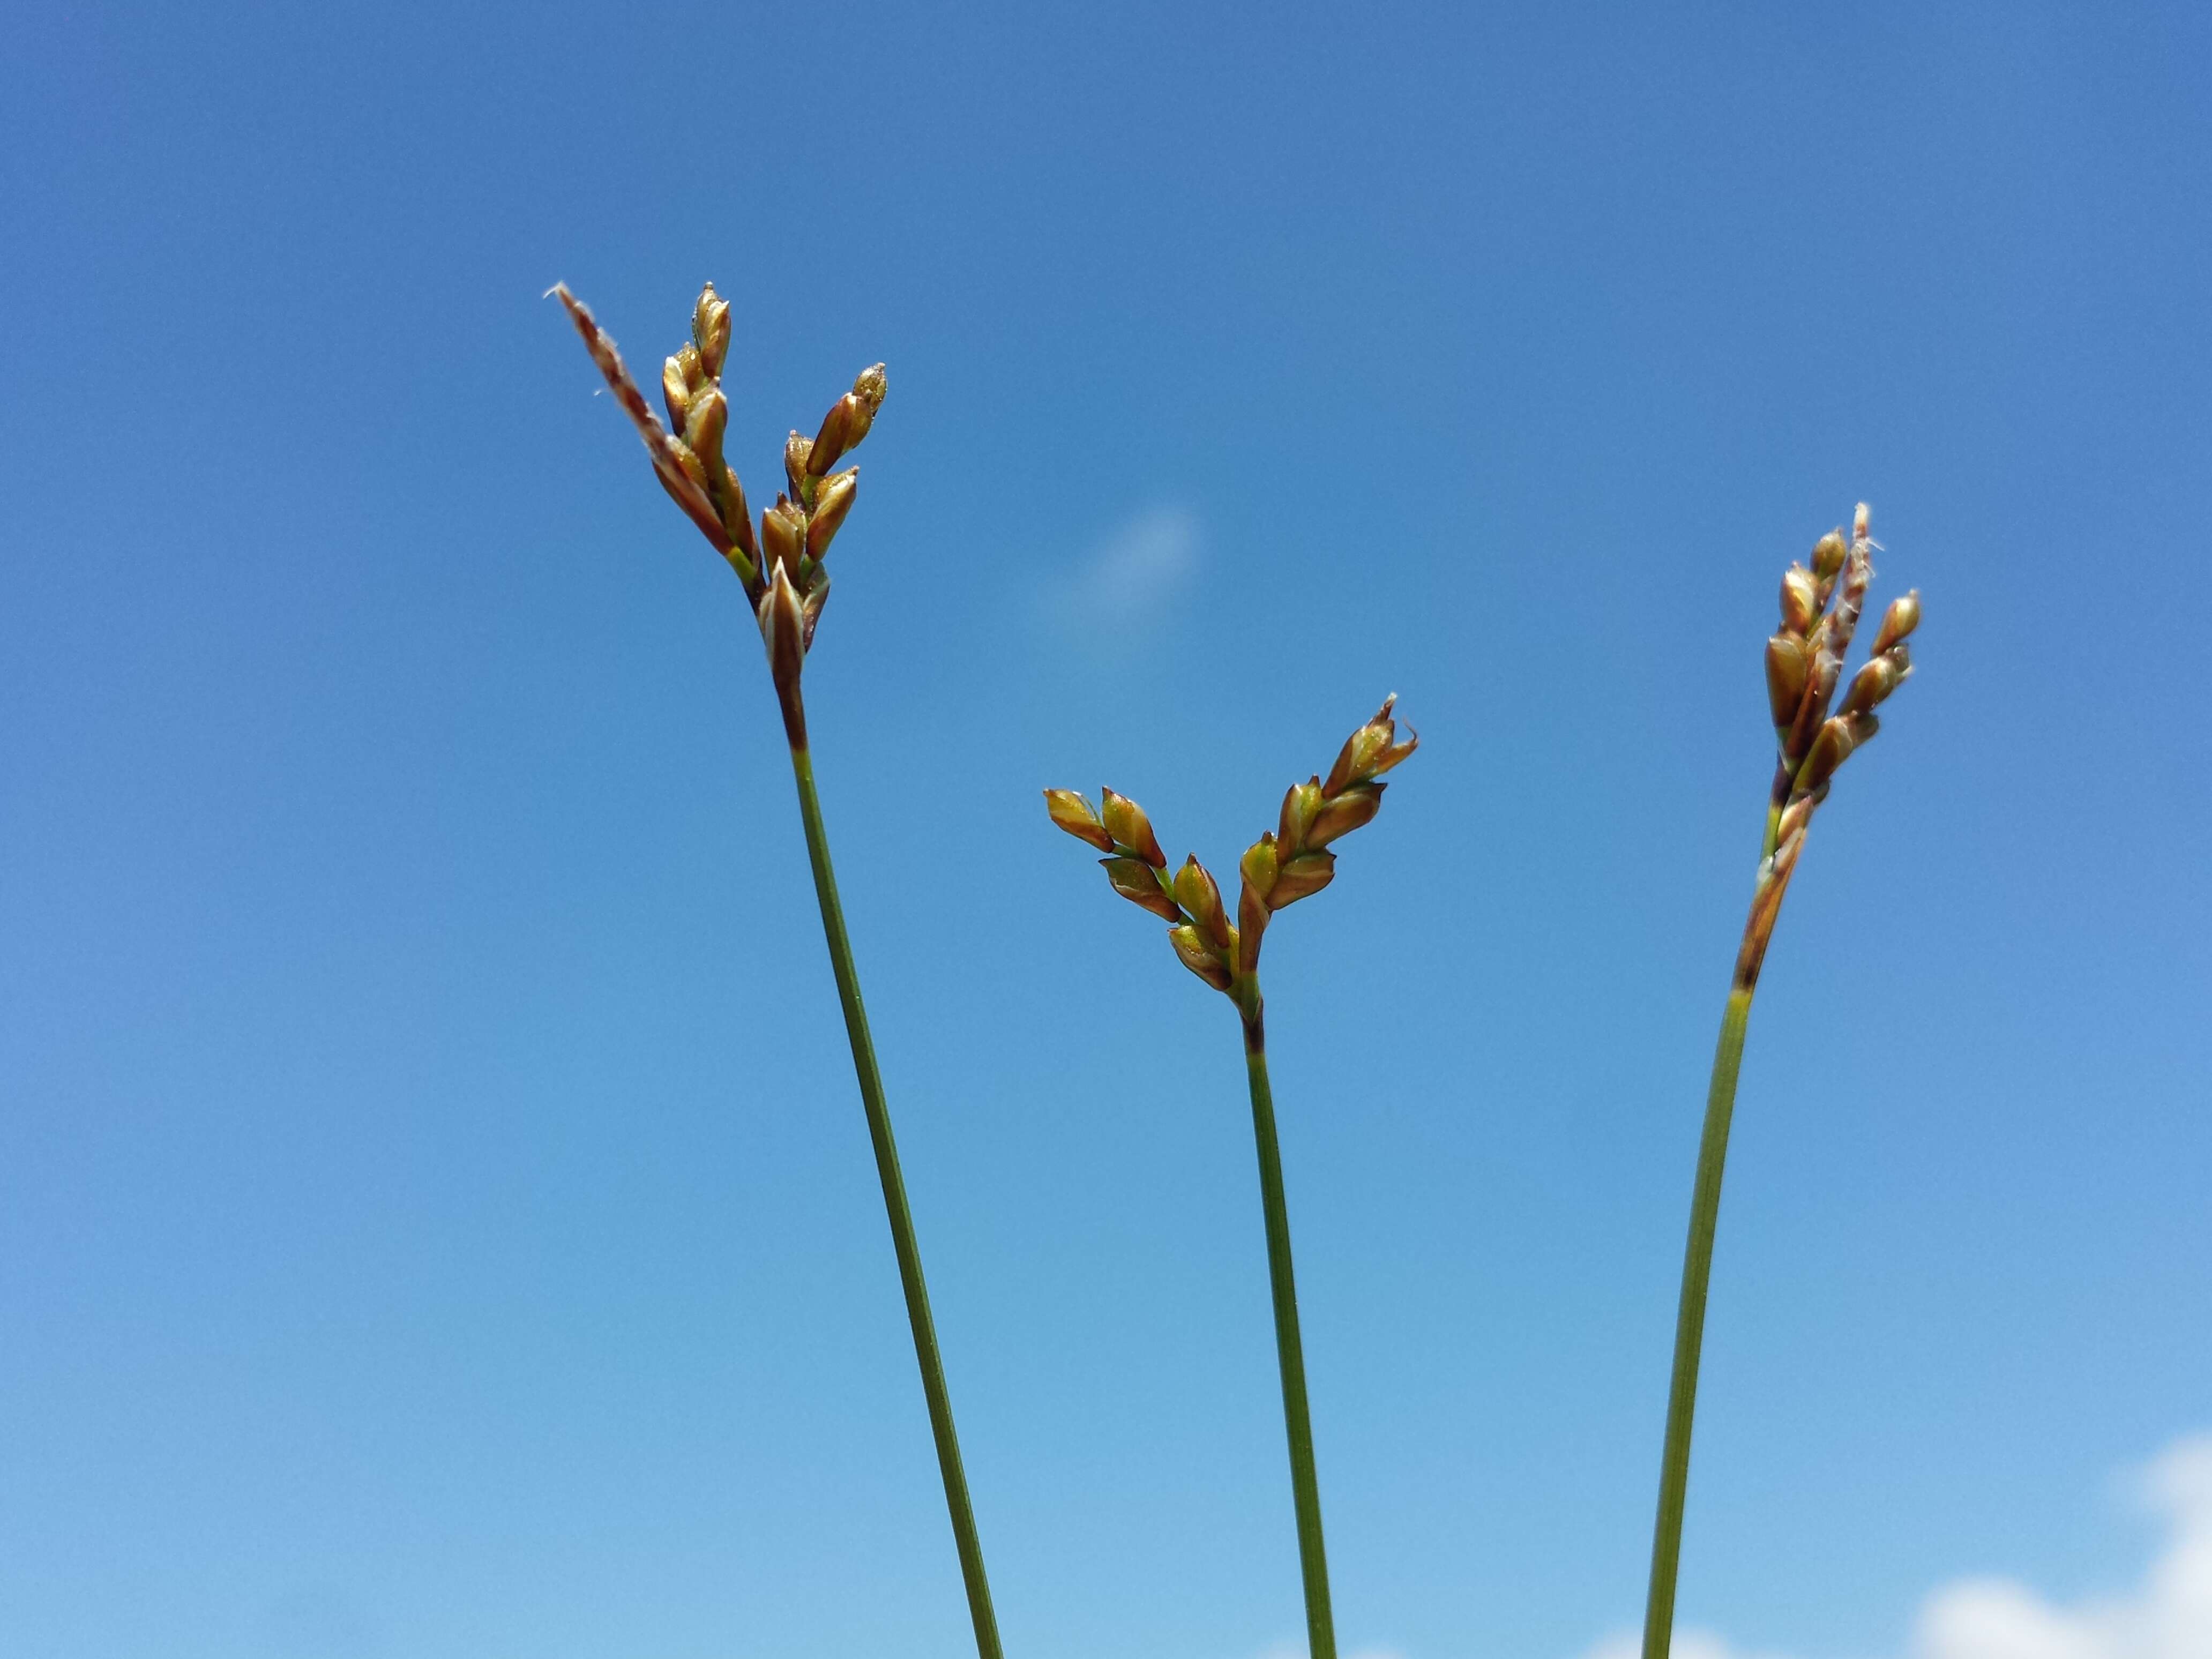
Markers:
point(1128, 582)
point(2167, 1615)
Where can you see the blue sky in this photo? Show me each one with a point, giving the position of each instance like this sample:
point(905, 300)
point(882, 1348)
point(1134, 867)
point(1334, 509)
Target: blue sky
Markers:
point(435, 1216)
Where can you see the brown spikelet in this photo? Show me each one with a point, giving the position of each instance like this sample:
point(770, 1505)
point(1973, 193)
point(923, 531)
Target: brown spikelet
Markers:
point(667, 456)
point(1804, 667)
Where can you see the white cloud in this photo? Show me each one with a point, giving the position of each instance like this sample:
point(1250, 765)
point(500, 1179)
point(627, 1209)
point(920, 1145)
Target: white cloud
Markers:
point(1688, 1645)
point(2167, 1615)
point(1132, 578)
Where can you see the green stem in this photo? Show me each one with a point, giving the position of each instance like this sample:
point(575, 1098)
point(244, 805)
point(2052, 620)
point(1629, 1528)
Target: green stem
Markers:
point(1298, 1422)
point(902, 1219)
point(1690, 1326)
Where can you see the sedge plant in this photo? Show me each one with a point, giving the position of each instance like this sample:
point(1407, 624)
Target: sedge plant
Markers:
point(1821, 609)
point(1286, 864)
point(786, 584)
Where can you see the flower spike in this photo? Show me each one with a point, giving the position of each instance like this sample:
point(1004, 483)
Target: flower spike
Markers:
point(1286, 864)
point(795, 533)
point(1291, 863)
point(1821, 603)
point(786, 587)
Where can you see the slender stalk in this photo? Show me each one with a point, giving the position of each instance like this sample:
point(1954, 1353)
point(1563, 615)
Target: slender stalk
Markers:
point(1690, 1325)
point(1298, 1422)
point(901, 1218)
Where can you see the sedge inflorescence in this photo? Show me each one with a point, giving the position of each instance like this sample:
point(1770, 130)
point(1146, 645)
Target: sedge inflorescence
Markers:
point(1286, 864)
point(780, 565)
point(1821, 603)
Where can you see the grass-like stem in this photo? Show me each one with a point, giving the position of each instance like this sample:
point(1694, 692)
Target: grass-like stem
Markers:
point(901, 1218)
point(1297, 1420)
point(1690, 1326)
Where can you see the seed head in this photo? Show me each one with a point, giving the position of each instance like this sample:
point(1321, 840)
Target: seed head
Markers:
point(1278, 870)
point(1820, 611)
point(688, 460)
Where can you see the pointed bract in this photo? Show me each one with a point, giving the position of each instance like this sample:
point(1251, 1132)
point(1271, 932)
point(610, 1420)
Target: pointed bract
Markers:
point(1259, 865)
point(1800, 600)
point(737, 516)
point(1300, 802)
point(1370, 751)
point(1897, 622)
point(1831, 747)
point(1126, 822)
point(1198, 894)
point(1140, 883)
point(1072, 813)
point(1789, 663)
point(1872, 685)
point(783, 531)
point(1828, 556)
point(710, 331)
point(833, 500)
point(708, 414)
point(676, 388)
point(1345, 812)
point(847, 420)
point(1252, 914)
point(1201, 957)
point(1301, 877)
point(782, 624)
